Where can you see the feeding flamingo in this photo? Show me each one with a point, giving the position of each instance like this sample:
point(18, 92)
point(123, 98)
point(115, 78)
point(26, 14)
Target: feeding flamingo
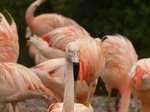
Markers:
point(68, 105)
point(139, 83)
point(18, 83)
point(120, 57)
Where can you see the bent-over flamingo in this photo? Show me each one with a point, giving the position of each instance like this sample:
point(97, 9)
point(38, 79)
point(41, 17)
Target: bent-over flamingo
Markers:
point(140, 83)
point(120, 57)
point(18, 83)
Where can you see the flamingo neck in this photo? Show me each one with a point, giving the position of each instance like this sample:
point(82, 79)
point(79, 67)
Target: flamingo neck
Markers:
point(125, 99)
point(30, 13)
point(68, 100)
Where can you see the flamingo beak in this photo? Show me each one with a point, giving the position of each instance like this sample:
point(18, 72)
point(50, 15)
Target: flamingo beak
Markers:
point(76, 67)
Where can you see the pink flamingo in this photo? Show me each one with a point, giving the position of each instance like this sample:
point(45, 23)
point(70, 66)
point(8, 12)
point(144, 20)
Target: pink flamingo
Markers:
point(9, 45)
point(139, 83)
point(120, 57)
point(92, 60)
point(68, 105)
point(44, 23)
point(59, 37)
point(18, 83)
point(89, 58)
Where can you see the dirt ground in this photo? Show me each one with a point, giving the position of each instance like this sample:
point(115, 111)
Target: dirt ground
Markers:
point(98, 102)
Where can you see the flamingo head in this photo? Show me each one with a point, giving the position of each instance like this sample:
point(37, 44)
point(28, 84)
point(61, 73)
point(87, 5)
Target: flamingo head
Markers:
point(39, 2)
point(72, 54)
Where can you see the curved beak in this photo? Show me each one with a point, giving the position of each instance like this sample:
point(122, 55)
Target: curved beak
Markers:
point(76, 66)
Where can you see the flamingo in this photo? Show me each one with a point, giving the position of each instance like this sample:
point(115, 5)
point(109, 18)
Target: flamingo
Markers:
point(62, 36)
point(92, 54)
point(9, 45)
point(18, 83)
point(92, 60)
point(44, 23)
point(120, 57)
point(139, 83)
point(68, 105)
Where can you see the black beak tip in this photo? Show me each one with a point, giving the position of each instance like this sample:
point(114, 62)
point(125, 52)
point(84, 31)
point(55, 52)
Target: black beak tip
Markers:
point(76, 67)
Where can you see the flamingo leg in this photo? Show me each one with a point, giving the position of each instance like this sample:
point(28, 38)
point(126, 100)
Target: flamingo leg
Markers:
point(108, 103)
point(14, 107)
point(117, 102)
point(11, 107)
point(136, 108)
point(87, 103)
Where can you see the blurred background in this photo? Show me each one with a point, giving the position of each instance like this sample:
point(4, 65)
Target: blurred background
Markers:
point(130, 18)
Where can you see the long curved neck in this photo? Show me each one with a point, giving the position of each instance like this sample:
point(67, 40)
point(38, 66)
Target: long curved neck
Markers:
point(69, 88)
point(29, 16)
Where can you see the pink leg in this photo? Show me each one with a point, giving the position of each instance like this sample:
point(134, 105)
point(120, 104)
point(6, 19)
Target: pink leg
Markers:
point(10, 108)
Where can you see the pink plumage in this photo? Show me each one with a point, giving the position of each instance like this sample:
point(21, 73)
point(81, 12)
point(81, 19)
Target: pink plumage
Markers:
point(139, 83)
point(18, 83)
point(44, 23)
point(120, 57)
point(9, 43)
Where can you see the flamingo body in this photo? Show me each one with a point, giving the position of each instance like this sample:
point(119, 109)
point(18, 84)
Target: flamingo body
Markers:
point(57, 107)
point(57, 41)
point(139, 83)
point(120, 57)
point(18, 83)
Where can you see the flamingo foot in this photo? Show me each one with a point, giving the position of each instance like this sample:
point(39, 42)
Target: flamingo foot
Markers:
point(87, 103)
point(108, 109)
point(117, 104)
point(116, 107)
